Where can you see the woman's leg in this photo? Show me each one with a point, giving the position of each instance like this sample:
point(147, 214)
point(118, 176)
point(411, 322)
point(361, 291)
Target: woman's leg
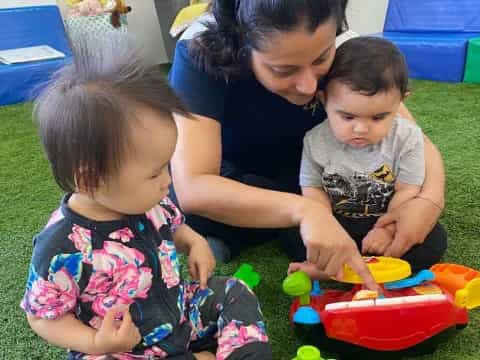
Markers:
point(229, 311)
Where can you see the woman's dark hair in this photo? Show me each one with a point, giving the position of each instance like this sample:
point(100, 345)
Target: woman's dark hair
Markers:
point(370, 65)
point(85, 114)
point(223, 49)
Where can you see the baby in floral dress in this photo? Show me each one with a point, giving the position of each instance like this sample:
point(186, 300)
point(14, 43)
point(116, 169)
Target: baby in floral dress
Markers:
point(104, 280)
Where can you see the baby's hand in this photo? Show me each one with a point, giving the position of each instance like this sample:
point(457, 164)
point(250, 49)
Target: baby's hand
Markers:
point(376, 241)
point(201, 261)
point(310, 269)
point(116, 335)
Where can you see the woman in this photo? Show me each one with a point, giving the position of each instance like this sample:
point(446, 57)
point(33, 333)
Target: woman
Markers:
point(250, 79)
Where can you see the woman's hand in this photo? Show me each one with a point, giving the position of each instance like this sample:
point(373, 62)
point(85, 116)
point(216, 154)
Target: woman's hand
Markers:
point(310, 269)
point(329, 246)
point(201, 262)
point(116, 335)
point(414, 220)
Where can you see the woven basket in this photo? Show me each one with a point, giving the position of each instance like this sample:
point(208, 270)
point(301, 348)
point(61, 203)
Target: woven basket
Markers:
point(99, 25)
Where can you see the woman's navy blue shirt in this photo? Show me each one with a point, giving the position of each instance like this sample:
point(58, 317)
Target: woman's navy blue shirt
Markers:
point(262, 133)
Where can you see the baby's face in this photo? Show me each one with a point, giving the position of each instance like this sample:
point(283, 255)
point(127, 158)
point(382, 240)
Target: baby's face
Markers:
point(143, 178)
point(357, 119)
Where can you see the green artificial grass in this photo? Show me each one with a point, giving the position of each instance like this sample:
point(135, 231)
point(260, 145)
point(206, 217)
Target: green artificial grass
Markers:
point(448, 113)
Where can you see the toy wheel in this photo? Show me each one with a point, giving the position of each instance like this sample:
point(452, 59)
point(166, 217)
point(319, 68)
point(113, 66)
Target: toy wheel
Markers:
point(384, 269)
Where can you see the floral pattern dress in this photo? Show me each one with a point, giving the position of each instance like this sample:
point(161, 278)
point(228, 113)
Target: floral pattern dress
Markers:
point(86, 267)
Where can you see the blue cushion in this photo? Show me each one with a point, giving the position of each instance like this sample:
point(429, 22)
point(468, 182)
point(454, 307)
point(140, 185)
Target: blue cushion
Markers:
point(30, 26)
point(433, 15)
point(432, 56)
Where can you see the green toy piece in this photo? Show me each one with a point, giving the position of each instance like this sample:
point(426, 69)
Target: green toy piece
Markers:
point(298, 284)
point(308, 352)
point(247, 275)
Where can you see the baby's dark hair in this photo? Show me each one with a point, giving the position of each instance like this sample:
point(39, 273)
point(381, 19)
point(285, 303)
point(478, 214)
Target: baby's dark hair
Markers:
point(86, 112)
point(370, 65)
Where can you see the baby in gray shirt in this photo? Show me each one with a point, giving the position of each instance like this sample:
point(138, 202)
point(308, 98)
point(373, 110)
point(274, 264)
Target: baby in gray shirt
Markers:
point(365, 159)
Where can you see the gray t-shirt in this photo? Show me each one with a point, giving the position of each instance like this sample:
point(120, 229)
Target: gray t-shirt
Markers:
point(360, 181)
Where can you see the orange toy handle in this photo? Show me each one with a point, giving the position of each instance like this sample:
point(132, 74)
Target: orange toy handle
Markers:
point(453, 277)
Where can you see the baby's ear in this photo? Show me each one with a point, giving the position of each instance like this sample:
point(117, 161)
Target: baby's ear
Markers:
point(84, 181)
point(321, 96)
point(81, 182)
point(407, 94)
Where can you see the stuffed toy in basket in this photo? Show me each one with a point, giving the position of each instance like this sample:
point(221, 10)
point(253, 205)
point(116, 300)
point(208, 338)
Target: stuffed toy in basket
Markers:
point(95, 17)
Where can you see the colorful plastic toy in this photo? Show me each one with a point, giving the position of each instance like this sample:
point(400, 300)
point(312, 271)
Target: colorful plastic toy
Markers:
point(411, 316)
point(308, 352)
point(460, 281)
point(247, 275)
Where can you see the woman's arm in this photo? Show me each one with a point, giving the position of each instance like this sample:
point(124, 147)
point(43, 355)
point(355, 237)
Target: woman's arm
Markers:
point(403, 193)
point(317, 194)
point(201, 190)
point(416, 218)
point(434, 186)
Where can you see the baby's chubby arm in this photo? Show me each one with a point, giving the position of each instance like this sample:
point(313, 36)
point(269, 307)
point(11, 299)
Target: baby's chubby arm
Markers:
point(70, 333)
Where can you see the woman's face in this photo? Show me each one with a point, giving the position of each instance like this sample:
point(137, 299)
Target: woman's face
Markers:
point(291, 63)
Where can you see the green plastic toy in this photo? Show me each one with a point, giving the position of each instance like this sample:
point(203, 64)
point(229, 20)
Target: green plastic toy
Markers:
point(298, 284)
point(308, 352)
point(247, 275)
